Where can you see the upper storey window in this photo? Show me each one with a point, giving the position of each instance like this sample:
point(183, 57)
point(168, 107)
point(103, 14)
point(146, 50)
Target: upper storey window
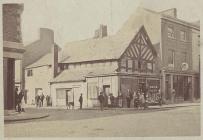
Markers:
point(29, 73)
point(171, 32)
point(182, 35)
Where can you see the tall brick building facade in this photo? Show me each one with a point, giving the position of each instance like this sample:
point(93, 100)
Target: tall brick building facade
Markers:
point(177, 59)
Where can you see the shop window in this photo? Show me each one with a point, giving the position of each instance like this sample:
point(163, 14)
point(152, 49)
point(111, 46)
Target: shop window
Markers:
point(183, 36)
point(92, 91)
point(171, 32)
point(29, 73)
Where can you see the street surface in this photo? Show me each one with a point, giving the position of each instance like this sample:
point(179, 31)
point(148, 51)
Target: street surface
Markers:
point(181, 121)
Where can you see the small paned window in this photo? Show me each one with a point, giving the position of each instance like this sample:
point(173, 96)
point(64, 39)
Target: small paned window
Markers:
point(171, 32)
point(171, 57)
point(29, 73)
point(183, 35)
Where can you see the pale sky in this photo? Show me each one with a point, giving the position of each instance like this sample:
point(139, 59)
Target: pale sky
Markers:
point(77, 19)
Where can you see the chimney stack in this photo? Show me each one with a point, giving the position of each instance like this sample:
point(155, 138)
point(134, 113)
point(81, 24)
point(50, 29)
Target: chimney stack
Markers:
point(47, 38)
point(170, 12)
point(101, 32)
point(46, 35)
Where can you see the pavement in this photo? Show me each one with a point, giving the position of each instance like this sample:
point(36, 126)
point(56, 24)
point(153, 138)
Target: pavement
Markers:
point(12, 117)
point(24, 116)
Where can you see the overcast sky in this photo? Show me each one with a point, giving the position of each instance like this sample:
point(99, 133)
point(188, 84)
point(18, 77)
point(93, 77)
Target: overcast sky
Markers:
point(77, 19)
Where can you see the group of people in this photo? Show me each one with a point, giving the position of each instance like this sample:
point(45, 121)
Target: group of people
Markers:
point(19, 101)
point(139, 99)
point(39, 100)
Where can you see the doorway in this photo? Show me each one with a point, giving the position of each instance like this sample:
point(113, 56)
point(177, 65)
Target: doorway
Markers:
point(69, 97)
point(106, 89)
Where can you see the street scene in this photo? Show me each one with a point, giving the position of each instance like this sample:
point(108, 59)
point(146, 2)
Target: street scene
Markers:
point(131, 71)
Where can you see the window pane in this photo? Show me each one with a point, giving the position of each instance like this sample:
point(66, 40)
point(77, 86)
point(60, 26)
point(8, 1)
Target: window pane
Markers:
point(136, 65)
point(182, 35)
point(171, 32)
point(171, 56)
point(123, 62)
point(149, 66)
point(130, 64)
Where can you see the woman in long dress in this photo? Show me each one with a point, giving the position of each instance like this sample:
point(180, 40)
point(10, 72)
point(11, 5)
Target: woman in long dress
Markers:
point(23, 103)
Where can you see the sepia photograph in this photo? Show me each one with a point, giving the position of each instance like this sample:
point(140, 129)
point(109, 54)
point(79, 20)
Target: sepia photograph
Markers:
point(101, 68)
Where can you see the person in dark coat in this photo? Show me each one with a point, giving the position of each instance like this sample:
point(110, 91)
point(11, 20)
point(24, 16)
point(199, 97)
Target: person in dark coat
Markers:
point(112, 100)
point(37, 101)
point(101, 100)
point(19, 99)
point(16, 98)
point(47, 100)
point(81, 100)
point(42, 99)
point(128, 98)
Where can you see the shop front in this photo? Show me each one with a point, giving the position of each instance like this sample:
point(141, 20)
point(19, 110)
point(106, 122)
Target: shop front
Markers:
point(145, 84)
point(181, 87)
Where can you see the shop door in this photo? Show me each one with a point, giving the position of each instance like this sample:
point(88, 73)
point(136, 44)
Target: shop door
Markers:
point(69, 97)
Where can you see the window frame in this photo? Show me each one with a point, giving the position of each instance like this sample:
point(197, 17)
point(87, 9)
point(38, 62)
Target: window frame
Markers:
point(29, 73)
point(172, 53)
point(184, 37)
point(171, 34)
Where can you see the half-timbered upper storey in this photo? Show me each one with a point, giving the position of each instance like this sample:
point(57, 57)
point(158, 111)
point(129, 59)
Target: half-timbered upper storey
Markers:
point(140, 55)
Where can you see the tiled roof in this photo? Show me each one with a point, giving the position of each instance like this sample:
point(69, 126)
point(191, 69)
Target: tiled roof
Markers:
point(71, 75)
point(43, 61)
point(96, 49)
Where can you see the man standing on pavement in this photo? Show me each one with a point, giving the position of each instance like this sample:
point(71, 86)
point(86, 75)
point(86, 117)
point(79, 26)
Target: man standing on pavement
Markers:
point(42, 99)
point(173, 95)
point(81, 100)
point(101, 100)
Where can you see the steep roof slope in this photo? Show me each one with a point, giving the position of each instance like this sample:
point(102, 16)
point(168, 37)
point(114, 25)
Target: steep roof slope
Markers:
point(96, 49)
point(44, 60)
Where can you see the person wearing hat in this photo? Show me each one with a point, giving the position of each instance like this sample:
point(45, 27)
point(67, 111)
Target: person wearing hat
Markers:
point(81, 100)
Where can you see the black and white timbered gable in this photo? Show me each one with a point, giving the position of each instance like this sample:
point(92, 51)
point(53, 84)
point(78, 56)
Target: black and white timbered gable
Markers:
point(139, 55)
